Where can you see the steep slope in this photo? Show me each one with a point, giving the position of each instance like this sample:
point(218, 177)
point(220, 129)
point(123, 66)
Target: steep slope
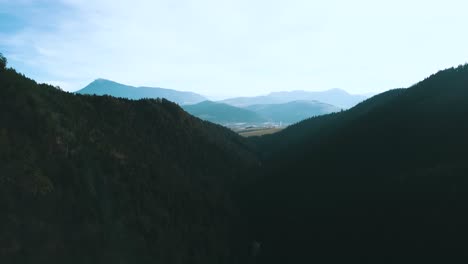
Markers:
point(106, 87)
point(384, 182)
point(336, 97)
point(292, 112)
point(222, 113)
point(98, 179)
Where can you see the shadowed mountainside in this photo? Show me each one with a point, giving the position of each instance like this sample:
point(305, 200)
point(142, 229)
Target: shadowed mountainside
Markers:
point(384, 182)
point(98, 179)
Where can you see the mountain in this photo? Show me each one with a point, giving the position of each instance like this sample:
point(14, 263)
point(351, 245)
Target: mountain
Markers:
point(106, 87)
point(99, 179)
point(290, 106)
point(222, 113)
point(287, 113)
point(336, 97)
point(384, 182)
point(292, 112)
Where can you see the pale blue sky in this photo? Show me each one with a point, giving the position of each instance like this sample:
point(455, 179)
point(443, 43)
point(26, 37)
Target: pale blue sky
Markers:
point(239, 47)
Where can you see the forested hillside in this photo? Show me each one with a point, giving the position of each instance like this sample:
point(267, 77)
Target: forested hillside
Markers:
point(384, 182)
point(97, 179)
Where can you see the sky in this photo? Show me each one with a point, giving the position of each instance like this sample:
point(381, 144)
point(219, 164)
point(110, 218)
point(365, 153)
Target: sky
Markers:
point(235, 47)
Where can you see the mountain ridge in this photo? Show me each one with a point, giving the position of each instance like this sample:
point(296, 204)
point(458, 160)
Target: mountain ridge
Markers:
point(282, 113)
point(107, 87)
point(370, 181)
point(100, 179)
point(293, 111)
point(221, 113)
point(290, 115)
point(337, 97)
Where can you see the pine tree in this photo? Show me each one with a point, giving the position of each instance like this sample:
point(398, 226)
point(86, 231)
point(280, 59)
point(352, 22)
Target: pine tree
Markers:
point(3, 62)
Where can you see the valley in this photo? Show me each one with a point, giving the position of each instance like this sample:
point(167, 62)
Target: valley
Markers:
point(233, 132)
point(275, 110)
point(258, 131)
point(101, 179)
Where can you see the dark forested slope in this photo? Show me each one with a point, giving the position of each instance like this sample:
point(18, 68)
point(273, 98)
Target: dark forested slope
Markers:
point(385, 182)
point(97, 179)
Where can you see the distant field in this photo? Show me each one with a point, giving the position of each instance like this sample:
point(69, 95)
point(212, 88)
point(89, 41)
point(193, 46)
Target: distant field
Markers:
point(259, 131)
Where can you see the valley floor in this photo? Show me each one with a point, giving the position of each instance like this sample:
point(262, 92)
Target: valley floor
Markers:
point(259, 131)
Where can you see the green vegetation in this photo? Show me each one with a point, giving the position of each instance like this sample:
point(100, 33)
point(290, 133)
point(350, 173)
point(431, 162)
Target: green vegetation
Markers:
point(98, 179)
point(384, 182)
point(3, 62)
point(250, 132)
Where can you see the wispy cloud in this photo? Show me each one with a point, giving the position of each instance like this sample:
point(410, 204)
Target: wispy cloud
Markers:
point(235, 47)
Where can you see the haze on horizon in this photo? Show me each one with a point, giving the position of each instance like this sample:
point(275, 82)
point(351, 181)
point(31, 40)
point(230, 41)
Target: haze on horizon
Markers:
point(234, 48)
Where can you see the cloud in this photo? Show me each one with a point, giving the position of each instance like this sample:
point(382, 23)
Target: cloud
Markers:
point(236, 47)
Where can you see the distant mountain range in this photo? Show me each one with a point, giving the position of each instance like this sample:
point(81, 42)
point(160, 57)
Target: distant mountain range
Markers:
point(223, 113)
point(337, 97)
point(292, 112)
point(96, 179)
point(287, 113)
point(279, 107)
point(106, 87)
